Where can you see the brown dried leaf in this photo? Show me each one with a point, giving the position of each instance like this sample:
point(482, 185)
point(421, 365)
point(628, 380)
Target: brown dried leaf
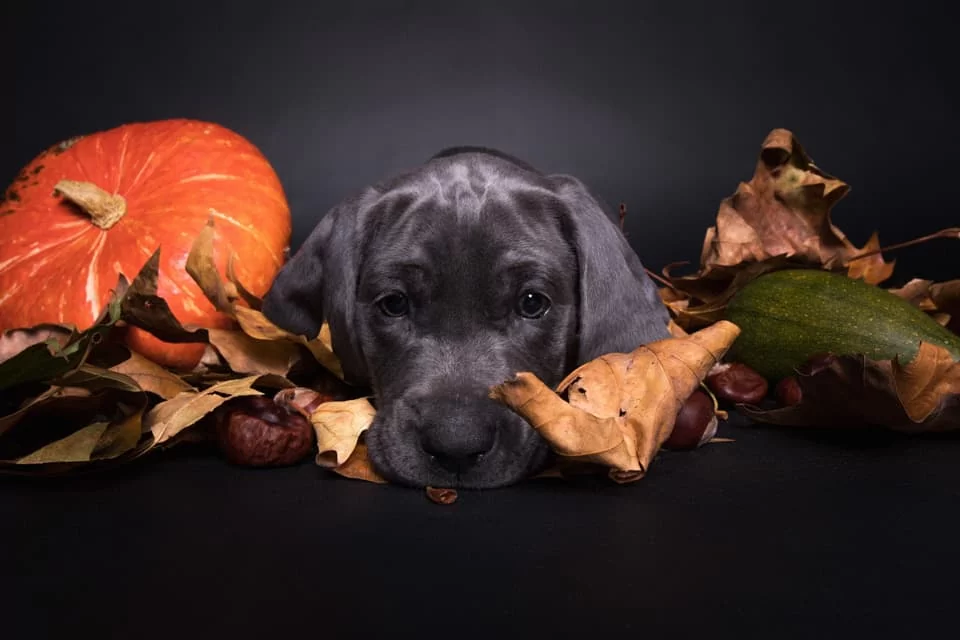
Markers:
point(359, 467)
point(442, 496)
point(170, 417)
point(247, 355)
point(338, 426)
point(225, 295)
point(76, 447)
point(940, 300)
point(780, 218)
point(201, 266)
point(241, 291)
point(63, 399)
point(152, 377)
point(619, 409)
point(922, 395)
point(143, 308)
point(257, 325)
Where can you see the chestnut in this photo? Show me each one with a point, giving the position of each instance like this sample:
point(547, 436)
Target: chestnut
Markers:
point(737, 383)
point(817, 363)
point(696, 423)
point(254, 431)
point(788, 392)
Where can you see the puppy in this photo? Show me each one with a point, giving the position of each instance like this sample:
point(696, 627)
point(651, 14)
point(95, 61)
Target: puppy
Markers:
point(451, 278)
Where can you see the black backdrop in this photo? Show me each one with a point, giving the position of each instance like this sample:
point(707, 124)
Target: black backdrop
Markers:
point(660, 105)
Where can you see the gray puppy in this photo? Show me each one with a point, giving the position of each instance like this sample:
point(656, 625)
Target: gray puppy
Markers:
point(450, 278)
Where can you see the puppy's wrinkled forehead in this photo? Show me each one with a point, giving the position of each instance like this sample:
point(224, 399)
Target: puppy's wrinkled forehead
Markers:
point(451, 207)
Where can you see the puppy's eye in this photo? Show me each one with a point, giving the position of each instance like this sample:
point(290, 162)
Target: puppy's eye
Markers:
point(394, 305)
point(533, 305)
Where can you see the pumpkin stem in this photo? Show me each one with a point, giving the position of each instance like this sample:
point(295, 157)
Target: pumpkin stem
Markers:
point(104, 208)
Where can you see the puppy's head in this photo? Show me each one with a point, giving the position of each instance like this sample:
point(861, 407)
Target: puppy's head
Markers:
point(450, 279)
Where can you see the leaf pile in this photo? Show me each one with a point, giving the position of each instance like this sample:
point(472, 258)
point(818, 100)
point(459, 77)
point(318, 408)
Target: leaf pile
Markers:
point(618, 410)
point(781, 219)
point(81, 399)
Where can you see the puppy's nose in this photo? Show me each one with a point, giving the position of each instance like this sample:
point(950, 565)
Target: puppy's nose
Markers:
point(456, 452)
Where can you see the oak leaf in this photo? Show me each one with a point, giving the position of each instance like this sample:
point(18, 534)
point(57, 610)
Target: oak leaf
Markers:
point(338, 426)
point(619, 409)
point(780, 218)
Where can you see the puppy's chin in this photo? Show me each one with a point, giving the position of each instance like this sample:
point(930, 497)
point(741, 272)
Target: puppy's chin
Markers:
point(395, 451)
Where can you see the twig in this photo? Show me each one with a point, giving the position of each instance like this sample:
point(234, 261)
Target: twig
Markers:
point(952, 232)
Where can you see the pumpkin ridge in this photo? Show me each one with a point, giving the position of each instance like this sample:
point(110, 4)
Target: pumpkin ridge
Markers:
point(16, 260)
point(251, 230)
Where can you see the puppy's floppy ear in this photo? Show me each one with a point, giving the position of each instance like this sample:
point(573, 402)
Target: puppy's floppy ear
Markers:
point(319, 281)
point(620, 308)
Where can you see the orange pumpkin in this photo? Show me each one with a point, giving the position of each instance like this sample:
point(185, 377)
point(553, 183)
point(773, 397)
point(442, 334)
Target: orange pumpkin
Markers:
point(95, 206)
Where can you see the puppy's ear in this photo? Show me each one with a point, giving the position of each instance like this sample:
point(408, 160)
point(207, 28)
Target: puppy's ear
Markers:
point(620, 308)
point(318, 284)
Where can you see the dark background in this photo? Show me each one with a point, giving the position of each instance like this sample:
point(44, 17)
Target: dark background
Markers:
point(660, 105)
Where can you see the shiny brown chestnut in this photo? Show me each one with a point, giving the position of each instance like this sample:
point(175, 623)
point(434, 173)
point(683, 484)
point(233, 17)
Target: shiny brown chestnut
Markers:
point(254, 431)
point(737, 383)
point(696, 423)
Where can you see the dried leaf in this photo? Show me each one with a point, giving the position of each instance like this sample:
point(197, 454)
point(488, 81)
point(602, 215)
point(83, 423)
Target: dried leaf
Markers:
point(258, 326)
point(619, 409)
point(252, 300)
point(13, 341)
point(940, 300)
point(66, 399)
point(201, 266)
point(442, 496)
point(123, 435)
point(922, 395)
point(359, 467)
point(151, 377)
point(338, 426)
point(224, 295)
point(143, 308)
point(54, 357)
point(97, 378)
point(781, 218)
point(170, 417)
point(246, 355)
point(76, 447)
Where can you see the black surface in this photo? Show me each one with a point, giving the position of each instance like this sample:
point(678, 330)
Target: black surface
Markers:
point(661, 105)
point(778, 534)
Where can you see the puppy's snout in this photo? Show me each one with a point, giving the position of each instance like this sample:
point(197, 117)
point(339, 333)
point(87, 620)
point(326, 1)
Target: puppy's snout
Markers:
point(457, 437)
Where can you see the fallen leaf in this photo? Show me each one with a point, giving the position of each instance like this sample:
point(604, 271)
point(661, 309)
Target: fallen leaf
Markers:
point(442, 496)
point(143, 308)
point(67, 398)
point(224, 295)
point(170, 417)
point(201, 266)
point(13, 341)
point(76, 447)
point(95, 378)
point(152, 377)
point(338, 426)
point(940, 300)
point(853, 391)
point(781, 218)
point(54, 357)
point(252, 300)
point(618, 410)
point(258, 326)
point(247, 355)
point(359, 467)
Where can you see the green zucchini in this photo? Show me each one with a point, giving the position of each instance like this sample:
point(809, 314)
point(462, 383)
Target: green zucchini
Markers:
point(789, 315)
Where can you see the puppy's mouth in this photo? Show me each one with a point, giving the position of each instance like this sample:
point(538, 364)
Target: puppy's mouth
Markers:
point(397, 453)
